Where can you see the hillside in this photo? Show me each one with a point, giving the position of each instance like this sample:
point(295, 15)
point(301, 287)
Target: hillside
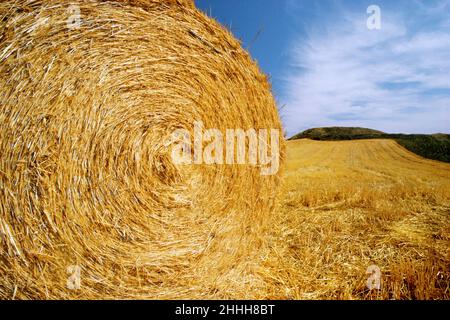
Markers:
point(348, 205)
point(435, 146)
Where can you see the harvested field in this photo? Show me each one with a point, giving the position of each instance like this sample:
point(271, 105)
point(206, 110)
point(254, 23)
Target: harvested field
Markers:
point(348, 205)
point(93, 207)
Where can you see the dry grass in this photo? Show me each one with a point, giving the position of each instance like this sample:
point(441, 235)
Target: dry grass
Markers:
point(86, 176)
point(349, 205)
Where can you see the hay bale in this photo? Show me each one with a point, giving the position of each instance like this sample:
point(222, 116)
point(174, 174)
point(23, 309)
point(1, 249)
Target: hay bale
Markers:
point(88, 189)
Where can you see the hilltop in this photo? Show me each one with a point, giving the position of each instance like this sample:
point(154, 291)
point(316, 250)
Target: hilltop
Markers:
point(434, 146)
point(337, 133)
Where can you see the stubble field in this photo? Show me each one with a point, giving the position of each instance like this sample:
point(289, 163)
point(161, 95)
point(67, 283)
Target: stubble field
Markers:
point(349, 205)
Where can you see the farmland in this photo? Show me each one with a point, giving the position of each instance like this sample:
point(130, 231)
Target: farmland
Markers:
point(348, 205)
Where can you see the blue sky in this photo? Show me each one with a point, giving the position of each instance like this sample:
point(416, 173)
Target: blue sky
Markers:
point(328, 69)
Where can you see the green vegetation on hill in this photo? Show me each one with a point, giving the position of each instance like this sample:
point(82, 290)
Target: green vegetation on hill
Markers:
point(337, 133)
point(435, 146)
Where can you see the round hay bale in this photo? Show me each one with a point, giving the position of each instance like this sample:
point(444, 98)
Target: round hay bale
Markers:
point(92, 204)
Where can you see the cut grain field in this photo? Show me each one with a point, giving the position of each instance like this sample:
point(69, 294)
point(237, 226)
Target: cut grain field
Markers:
point(93, 205)
point(348, 205)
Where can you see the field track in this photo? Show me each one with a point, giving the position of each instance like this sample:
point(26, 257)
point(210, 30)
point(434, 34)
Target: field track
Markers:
point(347, 205)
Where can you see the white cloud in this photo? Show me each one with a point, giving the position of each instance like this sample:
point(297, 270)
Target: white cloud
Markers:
point(395, 79)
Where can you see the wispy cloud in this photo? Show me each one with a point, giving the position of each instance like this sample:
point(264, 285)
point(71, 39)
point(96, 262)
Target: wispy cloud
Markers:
point(395, 79)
